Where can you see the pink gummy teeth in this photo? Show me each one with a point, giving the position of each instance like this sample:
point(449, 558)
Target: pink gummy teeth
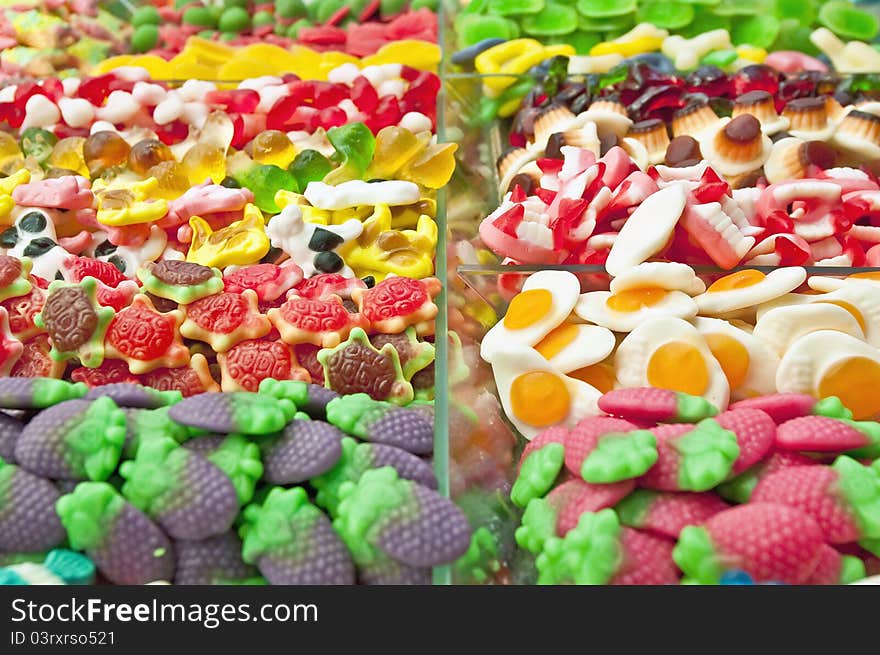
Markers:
point(830, 435)
point(650, 404)
point(782, 407)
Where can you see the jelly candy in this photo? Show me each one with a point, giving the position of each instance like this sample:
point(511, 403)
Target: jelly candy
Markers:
point(269, 281)
point(245, 413)
point(129, 205)
point(240, 243)
point(309, 166)
point(273, 147)
point(312, 246)
point(204, 162)
point(146, 154)
point(323, 323)
point(414, 355)
point(265, 181)
point(103, 151)
point(125, 394)
point(224, 319)
point(28, 520)
point(380, 251)
point(145, 338)
point(305, 450)
point(379, 422)
point(397, 302)
point(216, 560)
point(309, 398)
point(190, 380)
point(68, 154)
point(354, 145)
point(182, 282)
point(248, 363)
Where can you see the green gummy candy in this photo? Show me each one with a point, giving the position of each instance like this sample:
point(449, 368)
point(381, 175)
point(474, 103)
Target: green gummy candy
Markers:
point(871, 430)
point(290, 8)
point(355, 413)
point(740, 488)
point(96, 440)
point(147, 15)
point(415, 5)
point(309, 166)
point(199, 16)
point(554, 20)
point(236, 3)
point(620, 457)
point(285, 515)
point(606, 24)
point(147, 424)
point(240, 460)
point(537, 474)
point(389, 8)
point(707, 456)
point(704, 3)
point(705, 21)
point(480, 561)
point(265, 180)
point(848, 21)
point(794, 36)
point(207, 34)
point(37, 143)
point(234, 19)
point(471, 29)
point(860, 487)
point(349, 468)
point(301, 24)
point(803, 11)
point(871, 545)
point(589, 554)
point(633, 510)
point(740, 7)
point(144, 38)
point(605, 8)
point(515, 7)
point(719, 58)
point(354, 144)
point(72, 567)
point(665, 15)
point(48, 391)
point(852, 569)
point(326, 8)
point(690, 409)
point(696, 556)
point(152, 478)
point(581, 41)
point(262, 18)
point(537, 526)
point(760, 31)
point(88, 513)
point(832, 407)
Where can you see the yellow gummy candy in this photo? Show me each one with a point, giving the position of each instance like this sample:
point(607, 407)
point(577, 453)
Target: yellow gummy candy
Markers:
point(158, 68)
point(6, 206)
point(417, 54)
point(629, 48)
point(395, 146)
point(433, 167)
point(129, 205)
point(8, 184)
point(283, 198)
point(242, 243)
point(752, 54)
point(207, 51)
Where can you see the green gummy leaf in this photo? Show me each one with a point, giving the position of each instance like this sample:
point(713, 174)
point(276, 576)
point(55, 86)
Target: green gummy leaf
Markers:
point(240, 460)
point(95, 440)
point(665, 15)
point(48, 391)
point(284, 516)
point(605, 8)
point(620, 456)
point(696, 556)
point(851, 569)
point(740, 488)
point(633, 510)
point(831, 407)
point(707, 456)
point(88, 513)
point(515, 7)
point(860, 486)
point(589, 554)
point(538, 473)
point(351, 465)
point(480, 562)
point(537, 526)
point(155, 475)
point(355, 413)
point(690, 409)
point(871, 430)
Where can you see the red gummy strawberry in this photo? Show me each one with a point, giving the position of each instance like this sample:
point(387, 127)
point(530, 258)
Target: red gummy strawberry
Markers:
point(740, 488)
point(667, 513)
point(654, 405)
point(602, 450)
point(769, 541)
point(843, 498)
point(600, 551)
point(691, 457)
point(755, 432)
point(783, 407)
point(563, 507)
point(539, 466)
point(830, 435)
point(836, 568)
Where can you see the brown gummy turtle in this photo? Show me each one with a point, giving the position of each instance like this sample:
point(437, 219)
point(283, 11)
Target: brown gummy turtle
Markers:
point(10, 270)
point(69, 318)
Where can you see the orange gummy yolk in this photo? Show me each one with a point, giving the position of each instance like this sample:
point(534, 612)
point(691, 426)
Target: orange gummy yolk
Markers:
point(856, 314)
point(539, 398)
point(678, 366)
point(632, 300)
point(733, 357)
point(870, 275)
point(599, 376)
point(855, 381)
point(555, 342)
point(527, 308)
point(738, 280)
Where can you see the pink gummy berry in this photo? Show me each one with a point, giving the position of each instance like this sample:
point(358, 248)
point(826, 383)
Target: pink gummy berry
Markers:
point(667, 513)
point(647, 560)
point(573, 498)
point(827, 435)
point(755, 432)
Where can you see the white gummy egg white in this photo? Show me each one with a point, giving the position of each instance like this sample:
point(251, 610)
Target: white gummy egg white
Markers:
point(670, 353)
point(748, 363)
point(781, 326)
point(785, 300)
point(626, 310)
point(828, 283)
point(665, 275)
point(545, 301)
point(748, 288)
point(862, 300)
point(572, 346)
point(829, 363)
point(535, 395)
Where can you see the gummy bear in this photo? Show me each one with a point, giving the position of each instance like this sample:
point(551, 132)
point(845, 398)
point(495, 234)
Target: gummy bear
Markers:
point(273, 147)
point(104, 150)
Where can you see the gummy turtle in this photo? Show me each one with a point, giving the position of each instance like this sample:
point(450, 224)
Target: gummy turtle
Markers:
point(10, 347)
point(111, 371)
point(320, 322)
point(14, 276)
point(22, 310)
point(188, 380)
point(75, 321)
point(355, 366)
point(414, 355)
point(145, 338)
point(244, 366)
point(395, 303)
point(182, 282)
point(224, 319)
point(269, 281)
point(35, 360)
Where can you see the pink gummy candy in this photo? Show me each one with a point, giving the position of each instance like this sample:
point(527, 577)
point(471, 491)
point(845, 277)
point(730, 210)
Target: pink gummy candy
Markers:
point(819, 434)
point(556, 434)
point(573, 498)
point(755, 432)
point(205, 199)
point(781, 407)
point(68, 192)
point(653, 405)
point(585, 437)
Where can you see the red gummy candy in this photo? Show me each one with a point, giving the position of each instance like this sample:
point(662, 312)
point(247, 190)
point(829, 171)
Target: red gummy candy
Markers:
point(243, 101)
point(819, 434)
point(755, 432)
point(307, 355)
point(34, 361)
point(80, 267)
point(363, 95)
point(250, 362)
point(110, 371)
point(322, 35)
point(324, 285)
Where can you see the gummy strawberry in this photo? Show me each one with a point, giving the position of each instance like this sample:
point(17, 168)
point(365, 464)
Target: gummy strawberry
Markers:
point(357, 458)
point(562, 508)
point(305, 450)
point(241, 412)
point(382, 422)
point(601, 449)
point(830, 435)
point(755, 432)
point(212, 561)
point(384, 514)
point(125, 394)
point(835, 568)
point(188, 496)
point(665, 513)
point(37, 393)
point(843, 498)
point(782, 407)
point(600, 551)
point(691, 457)
point(10, 431)
point(237, 457)
point(74, 440)
point(740, 488)
point(126, 546)
point(28, 522)
point(539, 466)
point(654, 405)
point(309, 398)
point(386, 571)
point(292, 542)
point(769, 541)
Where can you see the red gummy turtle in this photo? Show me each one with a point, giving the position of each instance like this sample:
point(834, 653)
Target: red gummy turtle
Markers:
point(324, 323)
point(269, 281)
point(192, 379)
point(324, 285)
point(109, 372)
point(35, 361)
point(146, 339)
point(10, 347)
point(224, 319)
point(250, 362)
point(22, 310)
point(114, 289)
point(398, 302)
